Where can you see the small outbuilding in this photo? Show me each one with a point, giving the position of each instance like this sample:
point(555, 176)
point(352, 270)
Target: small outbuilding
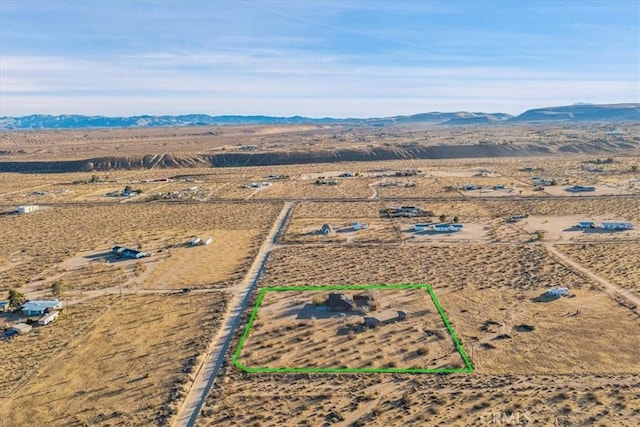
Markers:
point(366, 300)
point(19, 329)
point(27, 208)
point(359, 226)
point(384, 318)
point(48, 318)
point(580, 189)
point(134, 254)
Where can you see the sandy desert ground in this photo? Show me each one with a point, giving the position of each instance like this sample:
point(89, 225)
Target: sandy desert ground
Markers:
point(493, 296)
point(291, 332)
point(35, 246)
point(618, 261)
point(135, 356)
point(569, 361)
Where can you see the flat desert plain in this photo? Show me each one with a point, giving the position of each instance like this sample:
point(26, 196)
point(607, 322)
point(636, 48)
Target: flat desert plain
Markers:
point(534, 355)
point(297, 329)
point(150, 340)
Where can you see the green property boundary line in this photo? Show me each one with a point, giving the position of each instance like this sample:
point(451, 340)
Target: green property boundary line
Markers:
point(467, 369)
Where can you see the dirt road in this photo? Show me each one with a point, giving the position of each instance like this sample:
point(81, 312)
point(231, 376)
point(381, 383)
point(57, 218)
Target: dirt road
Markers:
point(194, 401)
point(611, 287)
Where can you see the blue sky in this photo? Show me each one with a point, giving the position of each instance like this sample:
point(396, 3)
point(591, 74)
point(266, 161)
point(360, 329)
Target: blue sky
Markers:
point(315, 58)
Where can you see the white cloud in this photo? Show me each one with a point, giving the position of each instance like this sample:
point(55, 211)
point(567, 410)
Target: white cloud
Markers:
point(277, 83)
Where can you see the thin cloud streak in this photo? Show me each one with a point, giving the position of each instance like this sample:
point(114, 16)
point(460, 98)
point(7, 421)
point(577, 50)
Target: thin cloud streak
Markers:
point(292, 57)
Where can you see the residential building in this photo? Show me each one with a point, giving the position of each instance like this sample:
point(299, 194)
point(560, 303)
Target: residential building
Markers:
point(40, 307)
point(337, 302)
point(616, 225)
point(446, 227)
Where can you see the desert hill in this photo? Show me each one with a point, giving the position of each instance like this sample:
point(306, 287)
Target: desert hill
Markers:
point(577, 113)
point(582, 113)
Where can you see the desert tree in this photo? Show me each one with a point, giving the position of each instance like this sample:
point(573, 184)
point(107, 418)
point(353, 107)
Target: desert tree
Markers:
point(15, 298)
point(58, 289)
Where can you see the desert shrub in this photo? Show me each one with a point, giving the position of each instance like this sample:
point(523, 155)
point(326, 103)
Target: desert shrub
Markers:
point(319, 300)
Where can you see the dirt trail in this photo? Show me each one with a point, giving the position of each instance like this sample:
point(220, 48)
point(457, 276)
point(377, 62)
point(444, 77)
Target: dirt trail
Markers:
point(195, 398)
point(610, 286)
point(374, 190)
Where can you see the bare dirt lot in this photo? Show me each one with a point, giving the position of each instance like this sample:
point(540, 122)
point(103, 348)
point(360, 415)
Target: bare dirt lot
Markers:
point(471, 232)
point(564, 228)
point(600, 190)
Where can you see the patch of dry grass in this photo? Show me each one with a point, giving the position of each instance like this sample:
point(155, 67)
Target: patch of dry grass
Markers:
point(452, 266)
point(565, 351)
point(618, 262)
point(289, 332)
point(382, 400)
point(628, 207)
point(40, 241)
point(20, 356)
point(130, 367)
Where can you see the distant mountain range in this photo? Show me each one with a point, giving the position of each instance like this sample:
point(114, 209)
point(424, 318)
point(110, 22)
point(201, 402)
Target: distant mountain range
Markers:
point(572, 113)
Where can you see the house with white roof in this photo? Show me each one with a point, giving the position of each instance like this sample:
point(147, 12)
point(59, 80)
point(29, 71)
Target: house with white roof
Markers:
point(446, 227)
point(616, 225)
